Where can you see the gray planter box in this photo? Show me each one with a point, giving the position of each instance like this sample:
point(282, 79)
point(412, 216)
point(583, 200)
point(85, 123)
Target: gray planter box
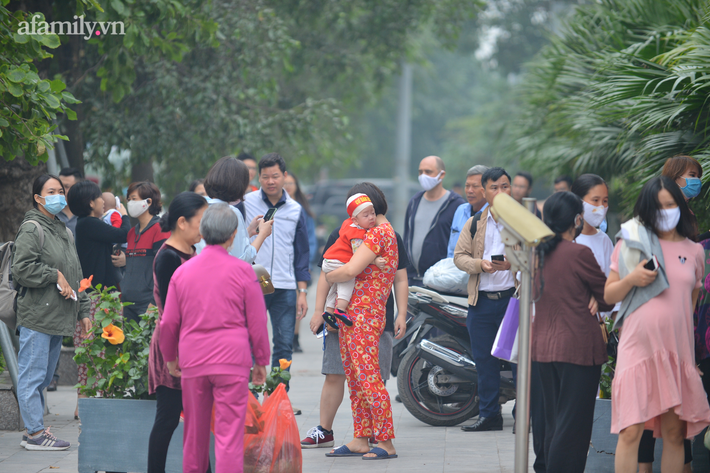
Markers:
point(114, 436)
point(603, 448)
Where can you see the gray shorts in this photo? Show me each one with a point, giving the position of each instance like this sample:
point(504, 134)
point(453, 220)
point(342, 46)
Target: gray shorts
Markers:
point(333, 364)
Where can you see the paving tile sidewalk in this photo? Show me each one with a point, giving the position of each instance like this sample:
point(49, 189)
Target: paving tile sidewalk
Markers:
point(421, 448)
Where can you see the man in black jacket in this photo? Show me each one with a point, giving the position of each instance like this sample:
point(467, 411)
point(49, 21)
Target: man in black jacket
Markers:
point(427, 223)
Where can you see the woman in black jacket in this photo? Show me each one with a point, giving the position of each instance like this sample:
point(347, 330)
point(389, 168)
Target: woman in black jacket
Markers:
point(94, 244)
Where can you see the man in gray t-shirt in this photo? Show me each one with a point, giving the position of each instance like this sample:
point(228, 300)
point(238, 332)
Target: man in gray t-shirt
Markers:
point(422, 219)
point(427, 223)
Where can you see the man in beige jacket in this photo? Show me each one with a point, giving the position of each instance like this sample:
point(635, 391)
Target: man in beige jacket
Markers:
point(490, 287)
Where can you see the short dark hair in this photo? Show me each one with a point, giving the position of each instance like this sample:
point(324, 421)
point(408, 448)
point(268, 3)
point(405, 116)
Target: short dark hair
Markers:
point(379, 202)
point(71, 172)
point(564, 178)
point(39, 183)
point(493, 174)
point(647, 206)
point(227, 180)
point(80, 197)
point(244, 156)
point(185, 204)
point(585, 183)
point(272, 159)
point(559, 213)
point(195, 183)
point(528, 177)
point(147, 190)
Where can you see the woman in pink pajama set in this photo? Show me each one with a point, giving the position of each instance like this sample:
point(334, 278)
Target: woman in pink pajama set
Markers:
point(213, 314)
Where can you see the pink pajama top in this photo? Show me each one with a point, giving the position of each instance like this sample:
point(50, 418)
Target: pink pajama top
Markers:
point(215, 316)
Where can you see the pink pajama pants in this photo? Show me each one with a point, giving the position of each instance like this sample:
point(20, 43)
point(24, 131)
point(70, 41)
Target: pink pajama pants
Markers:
point(229, 394)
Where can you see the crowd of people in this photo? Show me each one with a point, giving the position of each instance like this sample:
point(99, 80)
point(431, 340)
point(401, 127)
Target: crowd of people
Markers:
point(193, 263)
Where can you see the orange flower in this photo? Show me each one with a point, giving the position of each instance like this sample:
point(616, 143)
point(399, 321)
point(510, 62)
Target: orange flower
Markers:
point(284, 363)
point(85, 283)
point(113, 334)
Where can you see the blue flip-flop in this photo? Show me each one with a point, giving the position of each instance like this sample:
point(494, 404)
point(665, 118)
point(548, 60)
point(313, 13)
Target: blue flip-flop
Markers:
point(381, 454)
point(344, 451)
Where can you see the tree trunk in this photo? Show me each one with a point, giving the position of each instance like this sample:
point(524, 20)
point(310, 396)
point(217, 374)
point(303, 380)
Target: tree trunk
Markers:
point(16, 178)
point(142, 172)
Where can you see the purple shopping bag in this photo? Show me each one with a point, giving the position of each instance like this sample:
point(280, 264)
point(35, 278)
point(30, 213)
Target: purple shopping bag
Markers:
point(505, 345)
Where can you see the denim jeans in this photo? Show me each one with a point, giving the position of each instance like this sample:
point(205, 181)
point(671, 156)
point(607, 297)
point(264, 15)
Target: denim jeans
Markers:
point(37, 360)
point(281, 305)
point(482, 322)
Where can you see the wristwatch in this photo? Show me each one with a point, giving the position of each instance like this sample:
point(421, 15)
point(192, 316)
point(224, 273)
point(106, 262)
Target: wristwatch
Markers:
point(305, 291)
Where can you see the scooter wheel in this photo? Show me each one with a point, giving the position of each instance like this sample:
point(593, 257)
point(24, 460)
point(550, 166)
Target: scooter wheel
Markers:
point(423, 398)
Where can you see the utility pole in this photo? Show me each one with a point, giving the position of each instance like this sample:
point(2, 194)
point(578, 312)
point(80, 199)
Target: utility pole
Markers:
point(403, 149)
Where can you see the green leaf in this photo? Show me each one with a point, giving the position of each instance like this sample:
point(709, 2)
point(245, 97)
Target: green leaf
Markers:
point(71, 114)
point(50, 40)
point(57, 85)
point(43, 86)
point(21, 38)
point(16, 75)
point(4, 122)
point(15, 90)
point(119, 7)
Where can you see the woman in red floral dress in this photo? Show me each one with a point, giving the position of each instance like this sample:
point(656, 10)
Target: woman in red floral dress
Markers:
point(359, 344)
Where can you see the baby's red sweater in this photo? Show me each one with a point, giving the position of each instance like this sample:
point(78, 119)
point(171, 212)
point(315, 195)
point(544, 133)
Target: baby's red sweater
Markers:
point(342, 249)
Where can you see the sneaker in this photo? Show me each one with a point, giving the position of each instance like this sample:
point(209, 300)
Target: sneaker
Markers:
point(343, 317)
point(46, 441)
point(318, 437)
point(24, 441)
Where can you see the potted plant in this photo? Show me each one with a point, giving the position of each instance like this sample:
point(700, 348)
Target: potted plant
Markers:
point(118, 414)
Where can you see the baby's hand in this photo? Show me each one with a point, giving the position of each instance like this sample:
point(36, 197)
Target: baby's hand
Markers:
point(380, 262)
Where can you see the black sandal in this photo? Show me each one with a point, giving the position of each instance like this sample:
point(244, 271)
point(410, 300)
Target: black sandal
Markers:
point(330, 319)
point(343, 317)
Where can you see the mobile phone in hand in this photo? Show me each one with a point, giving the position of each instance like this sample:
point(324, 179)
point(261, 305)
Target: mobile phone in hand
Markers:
point(269, 214)
point(652, 264)
point(500, 258)
point(117, 250)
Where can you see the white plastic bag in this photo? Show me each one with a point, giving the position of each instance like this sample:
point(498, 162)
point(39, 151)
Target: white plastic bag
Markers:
point(445, 276)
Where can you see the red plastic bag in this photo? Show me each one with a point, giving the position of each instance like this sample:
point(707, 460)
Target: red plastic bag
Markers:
point(275, 447)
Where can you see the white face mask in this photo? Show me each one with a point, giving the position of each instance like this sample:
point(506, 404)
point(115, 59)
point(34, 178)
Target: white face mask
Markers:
point(594, 215)
point(428, 182)
point(136, 208)
point(668, 219)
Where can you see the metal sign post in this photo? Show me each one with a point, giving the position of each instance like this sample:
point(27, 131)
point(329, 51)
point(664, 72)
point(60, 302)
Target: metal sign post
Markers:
point(522, 416)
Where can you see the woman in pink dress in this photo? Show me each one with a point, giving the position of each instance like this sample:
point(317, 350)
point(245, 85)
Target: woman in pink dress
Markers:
point(656, 385)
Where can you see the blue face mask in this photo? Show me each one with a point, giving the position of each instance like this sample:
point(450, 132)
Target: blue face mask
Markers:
point(54, 203)
point(692, 187)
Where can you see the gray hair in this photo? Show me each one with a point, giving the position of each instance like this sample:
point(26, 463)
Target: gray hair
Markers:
point(218, 224)
point(476, 170)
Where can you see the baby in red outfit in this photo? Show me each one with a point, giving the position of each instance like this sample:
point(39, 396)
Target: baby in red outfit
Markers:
point(352, 233)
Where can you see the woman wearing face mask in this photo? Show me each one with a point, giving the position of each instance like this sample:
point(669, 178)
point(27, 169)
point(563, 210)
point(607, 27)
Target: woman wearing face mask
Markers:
point(686, 172)
point(94, 245)
point(568, 350)
point(144, 241)
point(656, 384)
point(183, 222)
point(46, 266)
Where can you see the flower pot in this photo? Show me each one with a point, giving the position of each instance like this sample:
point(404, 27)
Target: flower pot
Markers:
point(114, 436)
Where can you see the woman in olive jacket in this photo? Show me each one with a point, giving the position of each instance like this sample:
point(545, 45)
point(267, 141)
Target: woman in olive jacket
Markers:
point(46, 266)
